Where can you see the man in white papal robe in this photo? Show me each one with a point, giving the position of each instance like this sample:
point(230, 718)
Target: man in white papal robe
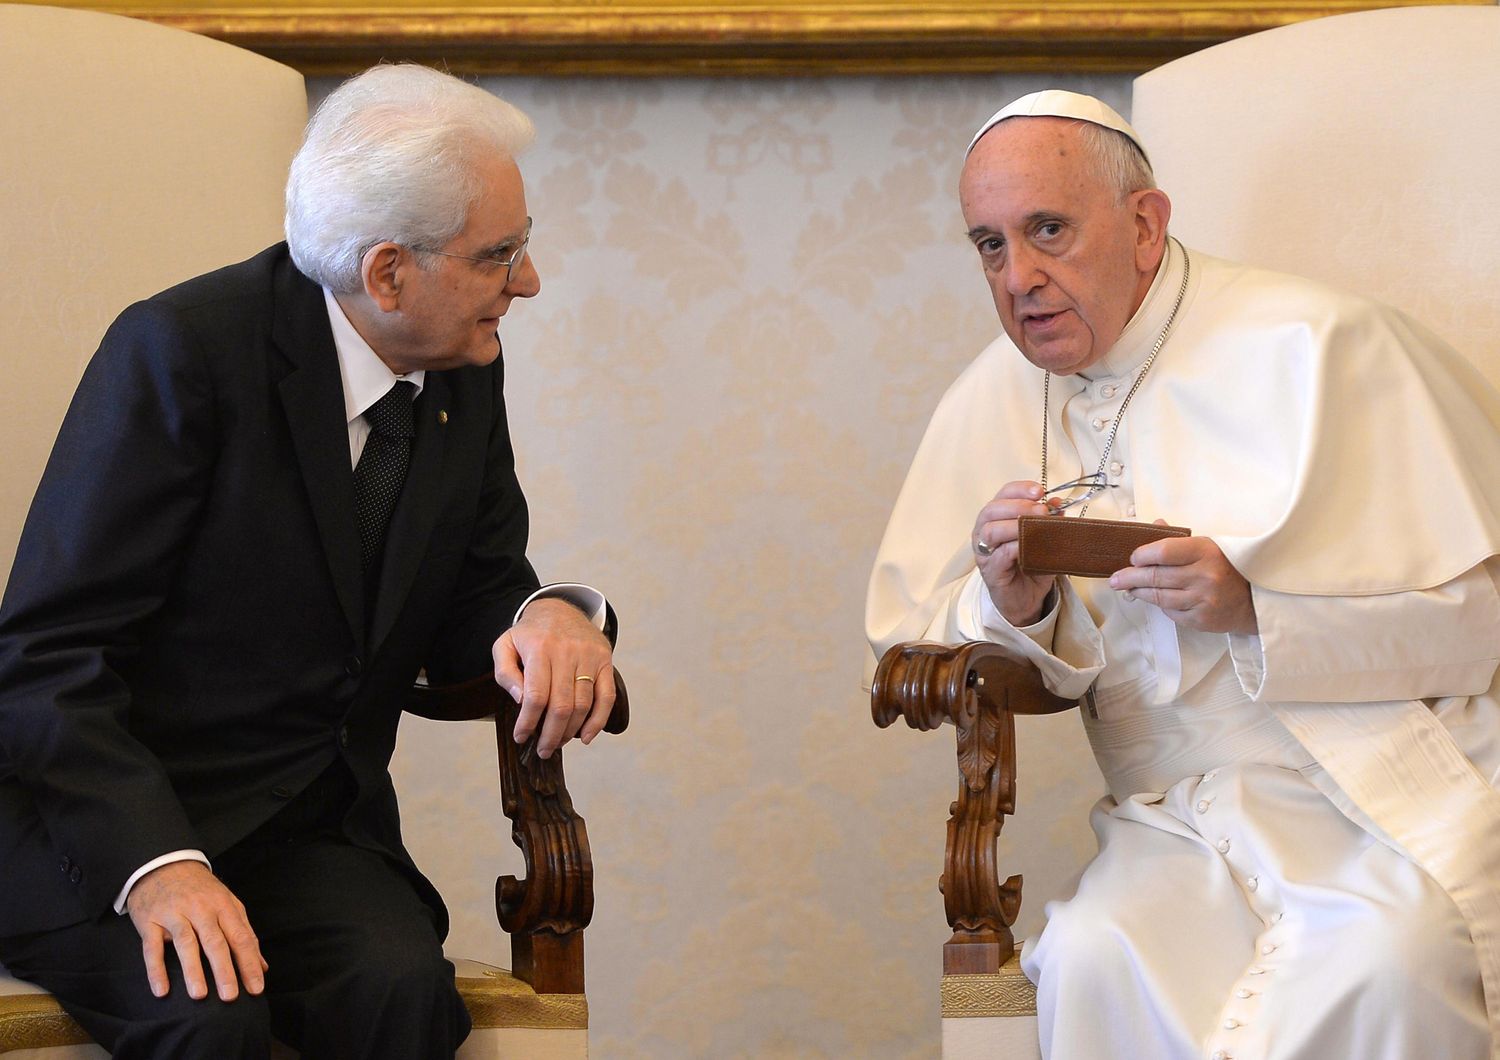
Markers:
point(1295, 708)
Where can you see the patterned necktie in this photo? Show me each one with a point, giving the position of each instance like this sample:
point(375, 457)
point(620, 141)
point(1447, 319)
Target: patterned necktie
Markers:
point(382, 466)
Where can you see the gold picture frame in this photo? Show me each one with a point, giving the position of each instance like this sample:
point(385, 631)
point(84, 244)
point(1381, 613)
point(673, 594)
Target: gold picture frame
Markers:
point(691, 37)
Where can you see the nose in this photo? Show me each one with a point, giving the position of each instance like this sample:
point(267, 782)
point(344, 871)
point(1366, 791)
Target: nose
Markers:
point(1022, 275)
point(525, 282)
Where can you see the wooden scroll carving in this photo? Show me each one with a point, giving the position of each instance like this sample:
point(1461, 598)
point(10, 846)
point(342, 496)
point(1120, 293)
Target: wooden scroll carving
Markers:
point(979, 690)
point(545, 912)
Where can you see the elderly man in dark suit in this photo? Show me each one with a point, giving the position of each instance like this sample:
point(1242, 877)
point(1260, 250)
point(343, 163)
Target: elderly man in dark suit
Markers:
point(282, 489)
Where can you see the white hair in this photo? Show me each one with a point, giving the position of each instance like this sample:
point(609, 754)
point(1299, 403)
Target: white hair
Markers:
point(1116, 159)
point(391, 155)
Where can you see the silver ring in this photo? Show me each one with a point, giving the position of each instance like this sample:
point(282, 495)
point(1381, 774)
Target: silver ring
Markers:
point(981, 548)
point(582, 677)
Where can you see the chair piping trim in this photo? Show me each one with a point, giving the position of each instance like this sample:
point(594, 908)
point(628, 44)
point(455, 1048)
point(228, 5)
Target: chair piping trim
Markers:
point(497, 1003)
point(37, 1021)
point(979, 996)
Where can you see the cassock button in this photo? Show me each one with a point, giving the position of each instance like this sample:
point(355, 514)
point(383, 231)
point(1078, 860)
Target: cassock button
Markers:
point(353, 665)
point(1203, 805)
point(1242, 993)
point(1253, 883)
point(442, 415)
point(65, 864)
point(343, 736)
point(1108, 390)
point(1116, 468)
point(1222, 846)
point(1268, 949)
point(281, 791)
point(1220, 1055)
point(76, 874)
point(1231, 1024)
point(1130, 511)
point(1099, 423)
point(1257, 970)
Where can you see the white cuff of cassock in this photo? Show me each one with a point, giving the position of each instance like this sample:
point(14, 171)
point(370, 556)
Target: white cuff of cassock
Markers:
point(1064, 644)
point(584, 597)
point(156, 863)
point(1040, 631)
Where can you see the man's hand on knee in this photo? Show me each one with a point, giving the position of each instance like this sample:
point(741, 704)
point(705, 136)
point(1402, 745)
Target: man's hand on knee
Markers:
point(184, 902)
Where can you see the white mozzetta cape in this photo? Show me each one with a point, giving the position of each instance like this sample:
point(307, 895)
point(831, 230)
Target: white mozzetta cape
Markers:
point(1334, 449)
point(1330, 445)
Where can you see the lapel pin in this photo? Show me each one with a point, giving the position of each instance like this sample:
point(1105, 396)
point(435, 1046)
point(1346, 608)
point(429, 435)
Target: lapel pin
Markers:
point(442, 415)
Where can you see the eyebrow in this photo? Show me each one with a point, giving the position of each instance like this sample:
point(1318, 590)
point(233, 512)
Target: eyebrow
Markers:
point(507, 243)
point(1030, 219)
point(495, 249)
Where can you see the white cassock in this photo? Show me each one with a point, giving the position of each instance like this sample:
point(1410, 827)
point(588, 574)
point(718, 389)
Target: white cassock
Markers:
point(1300, 852)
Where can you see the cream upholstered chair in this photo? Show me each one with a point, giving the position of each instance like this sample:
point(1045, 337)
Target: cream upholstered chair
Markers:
point(1361, 150)
point(135, 157)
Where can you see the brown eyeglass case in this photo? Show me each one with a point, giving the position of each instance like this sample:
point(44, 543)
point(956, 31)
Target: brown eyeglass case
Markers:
point(1085, 548)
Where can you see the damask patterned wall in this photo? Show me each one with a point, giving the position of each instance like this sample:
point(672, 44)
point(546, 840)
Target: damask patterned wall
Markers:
point(753, 294)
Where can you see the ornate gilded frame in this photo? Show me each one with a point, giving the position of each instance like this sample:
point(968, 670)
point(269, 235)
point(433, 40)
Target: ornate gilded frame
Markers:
point(731, 36)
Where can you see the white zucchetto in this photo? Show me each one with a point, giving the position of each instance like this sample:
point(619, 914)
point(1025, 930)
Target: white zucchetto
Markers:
point(1056, 103)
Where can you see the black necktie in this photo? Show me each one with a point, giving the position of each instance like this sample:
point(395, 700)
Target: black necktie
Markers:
point(382, 466)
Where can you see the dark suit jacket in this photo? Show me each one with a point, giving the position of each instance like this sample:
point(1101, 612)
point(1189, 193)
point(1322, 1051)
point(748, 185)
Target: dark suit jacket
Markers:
point(184, 642)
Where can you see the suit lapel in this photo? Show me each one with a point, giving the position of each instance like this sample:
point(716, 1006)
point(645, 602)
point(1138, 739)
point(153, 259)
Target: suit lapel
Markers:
point(313, 396)
point(416, 512)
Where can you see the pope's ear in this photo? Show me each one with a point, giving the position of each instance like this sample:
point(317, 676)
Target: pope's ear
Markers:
point(381, 269)
point(1152, 212)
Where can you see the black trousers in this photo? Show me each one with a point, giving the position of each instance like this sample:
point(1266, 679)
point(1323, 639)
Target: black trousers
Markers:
point(356, 964)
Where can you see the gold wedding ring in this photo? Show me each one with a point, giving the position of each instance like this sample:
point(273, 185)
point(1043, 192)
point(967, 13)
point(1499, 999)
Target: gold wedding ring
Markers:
point(582, 677)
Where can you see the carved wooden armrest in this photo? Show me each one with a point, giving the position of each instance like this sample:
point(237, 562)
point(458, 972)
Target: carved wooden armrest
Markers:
point(980, 690)
point(546, 912)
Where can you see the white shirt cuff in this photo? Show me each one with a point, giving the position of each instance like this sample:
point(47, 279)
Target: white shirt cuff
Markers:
point(584, 597)
point(156, 863)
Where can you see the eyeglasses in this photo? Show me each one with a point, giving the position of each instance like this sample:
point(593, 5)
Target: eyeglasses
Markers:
point(499, 258)
point(1095, 484)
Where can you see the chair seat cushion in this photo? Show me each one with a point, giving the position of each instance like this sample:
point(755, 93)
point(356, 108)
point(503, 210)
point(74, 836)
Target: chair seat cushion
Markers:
point(990, 1017)
point(31, 1018)
point(495, 998)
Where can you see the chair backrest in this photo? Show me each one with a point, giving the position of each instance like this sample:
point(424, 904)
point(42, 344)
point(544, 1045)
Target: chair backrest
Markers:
point(134, 157)
point(1362, 150)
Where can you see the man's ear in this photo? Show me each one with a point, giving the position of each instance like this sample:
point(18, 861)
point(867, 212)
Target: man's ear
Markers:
point(1152, 212)
point(381, 269)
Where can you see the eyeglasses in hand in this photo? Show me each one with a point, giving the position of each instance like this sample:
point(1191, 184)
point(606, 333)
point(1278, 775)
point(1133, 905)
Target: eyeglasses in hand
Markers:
point(1095, 484)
